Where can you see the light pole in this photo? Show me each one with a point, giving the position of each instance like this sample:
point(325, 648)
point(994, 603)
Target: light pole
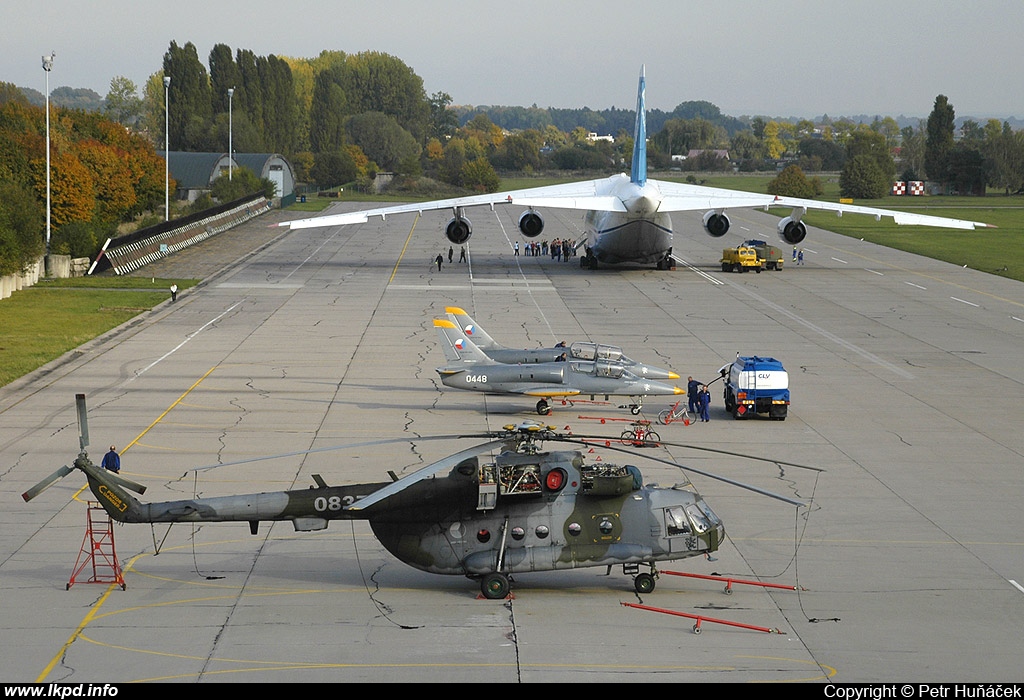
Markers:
point(167, 151)
point(47, 67)
point(231, 155)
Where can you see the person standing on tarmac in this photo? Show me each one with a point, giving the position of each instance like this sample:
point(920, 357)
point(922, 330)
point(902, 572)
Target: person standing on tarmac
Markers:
point(111, 461)
point(705, 403)
point(692, 393)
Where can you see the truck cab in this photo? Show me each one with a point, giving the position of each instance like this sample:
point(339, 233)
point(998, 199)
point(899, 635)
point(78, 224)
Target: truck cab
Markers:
point(756, 385)
point(740, 259)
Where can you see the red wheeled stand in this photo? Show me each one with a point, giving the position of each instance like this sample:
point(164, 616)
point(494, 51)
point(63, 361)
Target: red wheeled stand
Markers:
point(97, 550)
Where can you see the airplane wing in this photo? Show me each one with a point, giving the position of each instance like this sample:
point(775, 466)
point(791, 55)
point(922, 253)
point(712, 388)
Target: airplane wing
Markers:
point(573, 195)
point(678, 196)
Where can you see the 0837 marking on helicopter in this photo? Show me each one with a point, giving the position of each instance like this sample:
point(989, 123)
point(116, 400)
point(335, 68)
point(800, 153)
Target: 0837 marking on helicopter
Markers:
point(502, 507)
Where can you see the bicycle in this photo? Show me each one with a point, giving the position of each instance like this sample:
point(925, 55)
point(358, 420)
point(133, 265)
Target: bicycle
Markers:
point(640, 435)
point(677, 412)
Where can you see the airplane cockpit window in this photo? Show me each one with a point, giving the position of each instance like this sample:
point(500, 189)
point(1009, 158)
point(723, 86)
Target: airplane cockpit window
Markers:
point(583, 351)
point(609, 352)
point(676, 522)
point(607, 369)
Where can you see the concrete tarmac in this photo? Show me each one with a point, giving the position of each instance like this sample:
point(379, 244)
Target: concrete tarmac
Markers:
point(908, 565)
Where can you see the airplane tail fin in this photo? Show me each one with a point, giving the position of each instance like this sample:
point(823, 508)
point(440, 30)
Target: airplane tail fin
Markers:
point(474, 332)
point(457, 347)
point(638, 172)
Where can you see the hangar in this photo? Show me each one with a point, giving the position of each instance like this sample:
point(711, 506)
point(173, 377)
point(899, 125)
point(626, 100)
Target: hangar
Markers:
point(194, 173)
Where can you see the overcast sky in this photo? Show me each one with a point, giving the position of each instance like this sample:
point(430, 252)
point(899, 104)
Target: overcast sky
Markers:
point(749, 57)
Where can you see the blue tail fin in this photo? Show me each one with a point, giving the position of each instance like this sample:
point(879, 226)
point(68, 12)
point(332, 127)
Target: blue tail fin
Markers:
point(638, 173)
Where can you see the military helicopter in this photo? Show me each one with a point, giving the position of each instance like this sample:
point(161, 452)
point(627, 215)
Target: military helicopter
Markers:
point(578, 350)
point(502, 507)
point(470, 369)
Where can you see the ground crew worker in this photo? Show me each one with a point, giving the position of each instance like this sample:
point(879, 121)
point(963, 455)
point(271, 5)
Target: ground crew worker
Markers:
point(111, 461)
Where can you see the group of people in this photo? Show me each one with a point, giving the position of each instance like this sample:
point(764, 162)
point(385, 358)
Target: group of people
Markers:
point(559, 249)
point(439, 260)
point(699, 398)
point(798, 256)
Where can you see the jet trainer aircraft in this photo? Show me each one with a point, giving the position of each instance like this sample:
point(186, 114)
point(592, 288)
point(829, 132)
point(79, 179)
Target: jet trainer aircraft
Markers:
point(627, 216)
point(578, 350)
point(470, 369)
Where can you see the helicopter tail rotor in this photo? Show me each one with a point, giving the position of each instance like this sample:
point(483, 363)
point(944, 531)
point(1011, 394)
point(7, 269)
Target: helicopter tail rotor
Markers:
point(81, 461)
point(47, 483)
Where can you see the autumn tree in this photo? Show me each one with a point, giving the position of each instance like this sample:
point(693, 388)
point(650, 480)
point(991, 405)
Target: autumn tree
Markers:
point(792, 182)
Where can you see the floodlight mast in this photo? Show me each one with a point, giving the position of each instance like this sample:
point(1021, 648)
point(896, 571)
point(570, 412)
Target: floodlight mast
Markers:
point(47, 67)
point(167, 150)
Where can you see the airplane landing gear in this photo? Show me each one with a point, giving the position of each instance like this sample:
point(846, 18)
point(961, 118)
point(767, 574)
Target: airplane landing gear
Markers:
point(543, 408)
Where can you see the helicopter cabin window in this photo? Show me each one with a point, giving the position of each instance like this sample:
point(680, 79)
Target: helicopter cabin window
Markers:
point(676, 522)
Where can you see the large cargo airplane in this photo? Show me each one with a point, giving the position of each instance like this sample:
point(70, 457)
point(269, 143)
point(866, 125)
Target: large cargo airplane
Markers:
point(627, 216)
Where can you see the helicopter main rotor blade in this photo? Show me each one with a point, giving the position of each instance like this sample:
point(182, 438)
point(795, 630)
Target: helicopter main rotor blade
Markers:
point(710, 475)
point(424, 473)
point(730, 453)
point(47, 483)
point(338, 448)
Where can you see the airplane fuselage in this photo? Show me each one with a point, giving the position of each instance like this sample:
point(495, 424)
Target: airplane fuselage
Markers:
point(553, 379)
point(641, 234)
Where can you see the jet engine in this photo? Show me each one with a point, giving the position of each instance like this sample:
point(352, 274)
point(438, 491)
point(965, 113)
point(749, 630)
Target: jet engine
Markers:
point(792, 231)
point(716, 224)
point(458, 230)
point(531, 223)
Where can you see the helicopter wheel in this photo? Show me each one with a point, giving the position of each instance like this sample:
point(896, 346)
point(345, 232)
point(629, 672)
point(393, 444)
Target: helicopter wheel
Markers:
point(643, 583)
point(495, 586)
point(543, 408)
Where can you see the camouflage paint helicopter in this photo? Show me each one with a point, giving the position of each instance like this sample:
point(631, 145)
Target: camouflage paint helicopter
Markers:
point(578, 350)
point(470, 369)
point(500, 508)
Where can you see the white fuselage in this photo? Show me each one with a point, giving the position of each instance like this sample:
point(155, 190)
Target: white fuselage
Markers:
point(640, 235)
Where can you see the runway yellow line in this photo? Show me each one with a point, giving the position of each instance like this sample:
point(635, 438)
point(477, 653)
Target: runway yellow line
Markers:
point(94, 610)
point(151, 425)
point(81, 626)
point(404, 247)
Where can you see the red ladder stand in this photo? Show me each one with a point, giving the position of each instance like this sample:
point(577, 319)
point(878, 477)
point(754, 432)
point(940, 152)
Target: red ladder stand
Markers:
point(98, 550)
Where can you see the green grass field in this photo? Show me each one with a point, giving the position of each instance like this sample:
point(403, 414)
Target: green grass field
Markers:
point(41, 323)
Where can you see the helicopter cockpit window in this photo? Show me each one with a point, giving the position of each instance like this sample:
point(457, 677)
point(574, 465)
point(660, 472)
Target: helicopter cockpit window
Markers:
point(701, 522)
point(676, 522)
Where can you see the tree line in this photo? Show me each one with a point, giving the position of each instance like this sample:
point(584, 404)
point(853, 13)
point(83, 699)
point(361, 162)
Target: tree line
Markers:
point(341, 118)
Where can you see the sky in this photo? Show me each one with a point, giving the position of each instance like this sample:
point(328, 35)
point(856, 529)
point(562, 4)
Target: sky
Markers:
point(781, 58)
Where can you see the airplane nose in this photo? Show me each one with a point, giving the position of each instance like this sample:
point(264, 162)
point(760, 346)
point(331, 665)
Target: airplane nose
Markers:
point(672, 375)
point(678, 391)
